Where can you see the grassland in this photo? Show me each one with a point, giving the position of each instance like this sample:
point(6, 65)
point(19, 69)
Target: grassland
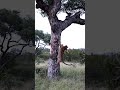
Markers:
point(73, 78)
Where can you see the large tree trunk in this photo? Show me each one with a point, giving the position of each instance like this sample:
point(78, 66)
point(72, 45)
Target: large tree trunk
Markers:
point(53, 66)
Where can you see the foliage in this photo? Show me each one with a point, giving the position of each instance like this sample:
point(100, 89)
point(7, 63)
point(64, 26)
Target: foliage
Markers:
point(69, 6)
point(72, 55)
point(103, 69)
point(43, 55)
point(10, 77)
point(42, 39)
point(71, 79)
point(16, 33)
point(75, 55)
point(72, 5)
point(40, 35)
point(27, 32)
point(11, 22)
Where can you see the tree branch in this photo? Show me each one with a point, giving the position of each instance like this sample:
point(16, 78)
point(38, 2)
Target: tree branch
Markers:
point(55, 7)
point(2, 44)
point(41, 49)
point(40, 4)
point(19, 44)
point(1, 67)
point(20, 51)
point(16, 41)
point(9, 40)
point(38, 45)
point(72, 19)
point(82, 6)
point(79, 21)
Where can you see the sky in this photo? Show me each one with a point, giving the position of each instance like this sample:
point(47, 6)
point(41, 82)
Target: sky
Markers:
point(73, 36)
point(104, 38)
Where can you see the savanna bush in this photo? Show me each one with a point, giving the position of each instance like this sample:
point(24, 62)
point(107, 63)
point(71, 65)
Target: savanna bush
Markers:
point(75, 55)
point(103, 69)
point(17, 70)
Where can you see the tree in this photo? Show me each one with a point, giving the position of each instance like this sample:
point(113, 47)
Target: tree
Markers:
point(50, 8)
point(15, 32)
point(41, 39)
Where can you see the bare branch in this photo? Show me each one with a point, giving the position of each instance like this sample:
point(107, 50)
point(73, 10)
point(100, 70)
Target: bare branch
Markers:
point(9, 40)
point(16, 41)
point(79, 21)
point(2, 44)
point(19, 44)
point(40, 4)
point(42, 44)
point(41, 49)
point(38, 45)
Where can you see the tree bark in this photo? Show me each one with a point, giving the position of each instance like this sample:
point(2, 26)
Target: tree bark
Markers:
point(53, 66)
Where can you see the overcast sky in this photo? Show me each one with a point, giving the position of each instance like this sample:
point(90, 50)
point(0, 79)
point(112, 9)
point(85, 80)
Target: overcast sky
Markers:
point(73, 36)
point(100, 36)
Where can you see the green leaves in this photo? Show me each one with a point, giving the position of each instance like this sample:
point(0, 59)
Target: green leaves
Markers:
point(39, 35)
point(12, 22)
point(73, 5)
point(28, 29)
point(66, 5)
point(75, 55)
point(11, 18)
point(47, 38)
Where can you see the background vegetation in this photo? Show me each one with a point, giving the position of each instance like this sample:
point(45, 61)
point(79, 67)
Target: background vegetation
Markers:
point(103, 71)
point(16, 61)
point(72, 78)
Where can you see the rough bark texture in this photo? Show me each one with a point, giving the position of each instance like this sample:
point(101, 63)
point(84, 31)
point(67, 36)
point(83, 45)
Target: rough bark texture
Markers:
point(53, 69)
point(53, 66)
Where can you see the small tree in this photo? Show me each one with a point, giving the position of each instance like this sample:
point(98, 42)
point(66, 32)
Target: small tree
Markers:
point(15, 32)
point(50, 8)
point(41, 40)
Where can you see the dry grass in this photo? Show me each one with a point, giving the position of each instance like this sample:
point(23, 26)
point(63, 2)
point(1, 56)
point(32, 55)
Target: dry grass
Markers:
point(73, 78)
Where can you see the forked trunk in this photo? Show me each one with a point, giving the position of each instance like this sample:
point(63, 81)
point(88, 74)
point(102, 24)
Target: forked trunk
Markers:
point(53, 66)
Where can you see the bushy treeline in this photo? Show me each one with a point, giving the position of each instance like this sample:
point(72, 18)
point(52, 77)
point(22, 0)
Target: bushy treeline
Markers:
point(43, 55)
point(103, 69)
point(71, 55)
point(75, 55)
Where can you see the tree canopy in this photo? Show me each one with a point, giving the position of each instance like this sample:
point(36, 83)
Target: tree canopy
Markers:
point(15, 32)
point(42, 39)
point(73, 9)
